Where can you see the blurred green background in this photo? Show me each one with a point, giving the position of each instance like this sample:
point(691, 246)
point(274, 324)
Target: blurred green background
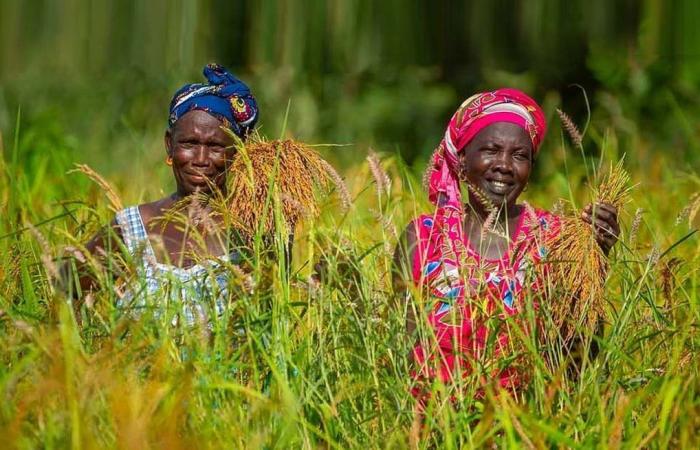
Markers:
point(93, 79)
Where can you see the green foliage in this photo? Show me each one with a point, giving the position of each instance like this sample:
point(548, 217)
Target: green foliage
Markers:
point(295, 363)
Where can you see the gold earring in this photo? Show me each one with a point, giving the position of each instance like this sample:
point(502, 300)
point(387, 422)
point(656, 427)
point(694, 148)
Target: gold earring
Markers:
point(169, 161)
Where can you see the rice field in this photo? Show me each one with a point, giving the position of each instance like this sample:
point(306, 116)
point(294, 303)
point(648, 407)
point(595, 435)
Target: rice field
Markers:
point(295, 363)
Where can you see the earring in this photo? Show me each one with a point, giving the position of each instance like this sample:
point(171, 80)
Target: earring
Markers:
point(169, 160)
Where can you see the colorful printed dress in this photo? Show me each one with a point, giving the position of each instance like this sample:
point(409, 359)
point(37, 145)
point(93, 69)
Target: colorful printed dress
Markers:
point(473, 294)
point(193, 295)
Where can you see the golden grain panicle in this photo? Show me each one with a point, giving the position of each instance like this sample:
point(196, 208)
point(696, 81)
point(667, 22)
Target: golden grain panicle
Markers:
point(286, 173)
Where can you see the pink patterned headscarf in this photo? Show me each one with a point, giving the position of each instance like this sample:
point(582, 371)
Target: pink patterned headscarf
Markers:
point(475, 114)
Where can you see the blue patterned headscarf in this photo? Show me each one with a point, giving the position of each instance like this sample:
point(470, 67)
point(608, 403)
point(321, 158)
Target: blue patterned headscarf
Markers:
point(225, 97)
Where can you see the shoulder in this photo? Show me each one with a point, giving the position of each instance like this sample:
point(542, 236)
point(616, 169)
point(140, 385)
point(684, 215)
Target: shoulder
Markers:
point(149, 211)
point(133, 221)
point(143, 213)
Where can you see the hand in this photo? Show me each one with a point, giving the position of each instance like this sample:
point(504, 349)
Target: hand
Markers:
point(605, 225)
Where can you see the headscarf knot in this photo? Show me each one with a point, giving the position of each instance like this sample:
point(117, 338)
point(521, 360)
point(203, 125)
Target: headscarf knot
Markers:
point(224, 96)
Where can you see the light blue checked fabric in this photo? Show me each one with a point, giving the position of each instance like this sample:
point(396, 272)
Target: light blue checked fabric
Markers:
point(191, 295)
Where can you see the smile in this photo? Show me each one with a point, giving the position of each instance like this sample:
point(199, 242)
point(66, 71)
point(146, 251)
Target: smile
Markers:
point(198, 177)
point(499, 187)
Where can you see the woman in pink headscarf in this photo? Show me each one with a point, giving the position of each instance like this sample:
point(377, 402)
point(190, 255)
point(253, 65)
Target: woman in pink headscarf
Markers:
point(476, 263)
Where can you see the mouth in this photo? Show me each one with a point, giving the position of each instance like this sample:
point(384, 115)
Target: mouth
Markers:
point(199, 178)
point(499, 187)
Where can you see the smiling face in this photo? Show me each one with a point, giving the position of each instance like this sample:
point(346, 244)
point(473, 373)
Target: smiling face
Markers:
point(498, 161)
point(201, 153)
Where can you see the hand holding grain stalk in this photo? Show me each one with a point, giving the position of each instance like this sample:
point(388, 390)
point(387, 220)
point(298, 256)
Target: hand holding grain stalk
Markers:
point(579, 255)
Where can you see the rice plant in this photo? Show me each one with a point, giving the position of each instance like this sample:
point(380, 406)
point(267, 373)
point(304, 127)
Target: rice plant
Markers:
point(300, 360)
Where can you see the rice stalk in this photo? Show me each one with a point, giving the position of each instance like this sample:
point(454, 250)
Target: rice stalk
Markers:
point(114, 200)
point(292, 170)
point(579, 266)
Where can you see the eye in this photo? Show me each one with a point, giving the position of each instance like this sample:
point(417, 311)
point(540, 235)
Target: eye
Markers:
point(187, 143)
point(489, 150)
point(217, 148)
point(522, 156)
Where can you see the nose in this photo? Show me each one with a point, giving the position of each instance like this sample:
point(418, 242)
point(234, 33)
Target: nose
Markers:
point(504, 162)
point(201, 156)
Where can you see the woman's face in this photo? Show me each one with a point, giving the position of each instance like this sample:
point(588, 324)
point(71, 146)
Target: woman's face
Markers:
point(498, 161)
point(201, 153)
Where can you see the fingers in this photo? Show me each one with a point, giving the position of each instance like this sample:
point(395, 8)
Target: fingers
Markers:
point(602, 211)
point(603, 218)
point(586, 214)
point(606, 228)
point(606, 234)
point(606, 211)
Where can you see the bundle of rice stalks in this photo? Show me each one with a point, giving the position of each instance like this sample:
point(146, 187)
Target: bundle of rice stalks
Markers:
point(280, 172)
point(579, 265)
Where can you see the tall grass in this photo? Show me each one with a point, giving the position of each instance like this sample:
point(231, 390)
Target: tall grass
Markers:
point(295, 362)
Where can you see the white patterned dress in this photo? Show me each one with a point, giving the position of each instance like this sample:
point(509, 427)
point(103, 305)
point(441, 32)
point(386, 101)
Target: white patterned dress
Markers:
point(189, 295)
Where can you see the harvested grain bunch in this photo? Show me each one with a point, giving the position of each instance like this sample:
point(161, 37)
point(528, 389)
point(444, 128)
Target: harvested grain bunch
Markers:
point(579, 266)
point(286, 173)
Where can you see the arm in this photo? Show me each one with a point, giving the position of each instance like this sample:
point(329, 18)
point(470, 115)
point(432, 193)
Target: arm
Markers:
point(402, 271)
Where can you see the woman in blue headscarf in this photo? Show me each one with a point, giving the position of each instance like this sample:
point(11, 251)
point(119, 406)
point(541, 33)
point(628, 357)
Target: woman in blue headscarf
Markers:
point(178, 245)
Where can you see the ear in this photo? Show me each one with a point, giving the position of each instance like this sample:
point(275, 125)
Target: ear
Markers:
point(168, 142)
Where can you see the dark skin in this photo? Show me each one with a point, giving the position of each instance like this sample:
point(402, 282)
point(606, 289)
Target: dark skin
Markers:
point(201, 153)
point(498, 161)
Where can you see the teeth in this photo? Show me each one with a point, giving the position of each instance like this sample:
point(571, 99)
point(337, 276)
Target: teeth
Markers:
point(499, 187)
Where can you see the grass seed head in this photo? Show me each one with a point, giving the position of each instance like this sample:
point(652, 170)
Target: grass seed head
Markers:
point(570, 127)
point(114, 200)
point(634, 229)
point(482, 198)
point(283, 171)
point(425, 179)
point(381, 178)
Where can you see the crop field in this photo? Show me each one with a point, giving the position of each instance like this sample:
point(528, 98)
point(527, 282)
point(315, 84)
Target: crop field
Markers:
point(293, 363)
point(299, 361)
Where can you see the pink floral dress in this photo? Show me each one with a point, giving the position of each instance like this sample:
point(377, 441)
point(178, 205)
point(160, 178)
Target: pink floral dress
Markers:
point(472, 295)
